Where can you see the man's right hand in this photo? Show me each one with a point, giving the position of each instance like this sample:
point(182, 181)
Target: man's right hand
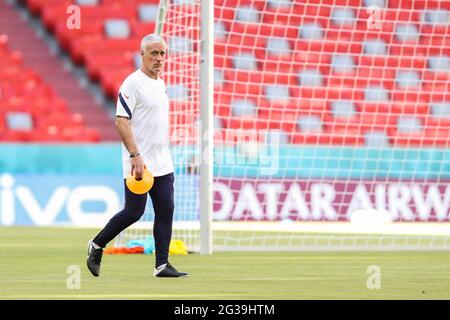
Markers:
point(137, 167)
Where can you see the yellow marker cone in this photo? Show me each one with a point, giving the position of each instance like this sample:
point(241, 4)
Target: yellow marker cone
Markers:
point(140, 186)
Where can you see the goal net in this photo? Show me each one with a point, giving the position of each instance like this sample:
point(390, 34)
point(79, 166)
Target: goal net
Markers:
point(332, 124)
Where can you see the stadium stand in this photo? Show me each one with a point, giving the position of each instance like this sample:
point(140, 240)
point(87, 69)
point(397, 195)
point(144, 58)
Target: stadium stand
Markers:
point(42, 101)
point(30, 110)
point(320, 74)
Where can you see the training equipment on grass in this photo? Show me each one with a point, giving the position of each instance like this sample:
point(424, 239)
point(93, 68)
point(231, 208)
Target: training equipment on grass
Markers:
point(142, 185)
point(320, 109)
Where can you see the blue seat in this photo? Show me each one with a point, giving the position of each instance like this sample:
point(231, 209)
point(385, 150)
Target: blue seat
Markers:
point(342, 16)
point(278, 46)
point(87, 2)
point(19, 120)
point(244, 61)
point(277, 92)
point(243, 107)
point(436, 17)
point(311, 31)
point(440, 109)
point(409, 124)
point(376, 139)
point(180, 45)
point(178, 92)
point(343, 109)
point(247, 14)
point(117, 28)
point(375, 3)
point(137, 60)
point(219, 78)
point(375, 47)
point(374, 93)
point(147, 12)
point(220, 31)
point(279, 4)
point(439, 63)
point(275, 137)
point(407, 33)
point(310, 123)
point(342, 63)
point(408, 79)
point(310, 78)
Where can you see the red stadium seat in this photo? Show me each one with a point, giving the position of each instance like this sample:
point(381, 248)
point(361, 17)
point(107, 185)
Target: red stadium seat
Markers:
point(360, 32)
point(242, 89)
point(80, 134)
point(245, 123)
point(327, 138)
point(96, 43)
point(400, 4)
point(389, 16)
point(24, 91)
point(238, 136)
point(393, 62)
point(263, 121)
point(350, 3)
point(17, 136)
point(110, 61)
point(97, 61)
point(264, 77)
point(436, 45)
point(225, 13)
point(295, 15)
point(54, 12)
point(431, 78)
point(259, 4)
point(429, 4)
point(364, 76)
point(111, 80)
point(222, 104)
point(428, 137)
point(139, 30)
point(409, 50)
point(2, 123)
point(226, 96)
point(36, 6)
point(66, 36)
point(295, 106)
point(130, 3)
point(328, 46)
point(408, 107)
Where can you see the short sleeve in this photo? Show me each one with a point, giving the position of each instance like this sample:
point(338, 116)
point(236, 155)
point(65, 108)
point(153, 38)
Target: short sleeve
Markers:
point(126, 102)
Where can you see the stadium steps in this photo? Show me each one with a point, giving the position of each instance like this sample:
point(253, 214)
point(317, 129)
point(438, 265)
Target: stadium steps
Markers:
point(38, 56)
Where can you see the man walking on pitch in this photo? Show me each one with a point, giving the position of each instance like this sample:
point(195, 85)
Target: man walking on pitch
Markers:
point(142, 120)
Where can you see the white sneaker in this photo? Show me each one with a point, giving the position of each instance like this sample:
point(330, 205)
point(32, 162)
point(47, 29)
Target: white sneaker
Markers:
point(94, 259)
point(168, 271)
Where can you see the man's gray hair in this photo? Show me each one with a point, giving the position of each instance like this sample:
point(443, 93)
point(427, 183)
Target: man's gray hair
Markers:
point(151, 38)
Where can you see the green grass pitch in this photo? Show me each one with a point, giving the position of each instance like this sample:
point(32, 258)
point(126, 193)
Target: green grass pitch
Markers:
point(34, 264)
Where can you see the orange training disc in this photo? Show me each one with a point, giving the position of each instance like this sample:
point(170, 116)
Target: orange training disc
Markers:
point(140, 186)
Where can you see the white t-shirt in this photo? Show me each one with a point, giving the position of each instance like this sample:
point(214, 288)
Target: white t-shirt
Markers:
point(145, 102)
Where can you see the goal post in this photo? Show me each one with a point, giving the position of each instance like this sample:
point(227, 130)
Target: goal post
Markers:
point(161, 15)
point(327, 125)
point(207, 125)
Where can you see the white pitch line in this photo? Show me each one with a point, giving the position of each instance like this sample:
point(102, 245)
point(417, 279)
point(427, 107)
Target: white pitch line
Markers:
point(118, 296)
point(280, 279)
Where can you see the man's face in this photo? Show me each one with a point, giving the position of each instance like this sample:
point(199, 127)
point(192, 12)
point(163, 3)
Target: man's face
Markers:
point(153, 58)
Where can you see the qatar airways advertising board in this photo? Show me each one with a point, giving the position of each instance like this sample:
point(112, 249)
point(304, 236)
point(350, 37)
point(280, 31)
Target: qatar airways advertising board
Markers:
point(86, 200)
point(316, 200)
